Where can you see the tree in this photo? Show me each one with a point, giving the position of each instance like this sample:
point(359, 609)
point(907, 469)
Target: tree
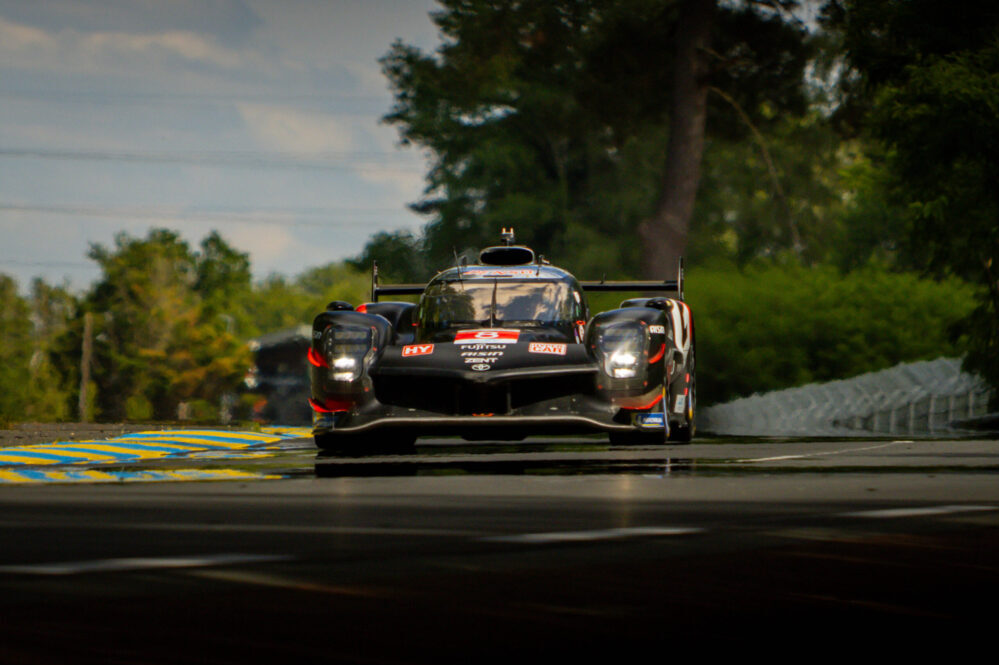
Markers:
point(15, 350)
point(399, 256)
point(931, 70)
point(161, 335)
point(664, 234)
point(222, 279)
point(51, 387)
point(787, 201)
point(278, 302)
point(535, 111)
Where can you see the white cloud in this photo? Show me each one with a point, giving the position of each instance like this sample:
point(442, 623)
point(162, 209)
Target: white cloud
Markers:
point(269, 246)
point(287, 83)
point(30, 48)
point(406, 184)
point(293, 130)
point(16, 38)
point(187, 45)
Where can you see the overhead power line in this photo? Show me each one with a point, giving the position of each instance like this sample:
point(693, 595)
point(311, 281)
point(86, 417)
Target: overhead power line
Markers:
point(172, 97)
point(322, 161)
point(46, 264)
point(271, 216)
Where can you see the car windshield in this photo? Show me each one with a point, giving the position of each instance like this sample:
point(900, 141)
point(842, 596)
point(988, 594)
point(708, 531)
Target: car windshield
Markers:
point(449, 304)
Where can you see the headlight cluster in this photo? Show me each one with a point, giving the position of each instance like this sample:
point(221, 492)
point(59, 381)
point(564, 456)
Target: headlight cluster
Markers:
point(348, 350)
point(621, 348)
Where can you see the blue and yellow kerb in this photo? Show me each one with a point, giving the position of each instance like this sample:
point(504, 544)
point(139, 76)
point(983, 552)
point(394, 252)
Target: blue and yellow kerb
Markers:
point(26, 464)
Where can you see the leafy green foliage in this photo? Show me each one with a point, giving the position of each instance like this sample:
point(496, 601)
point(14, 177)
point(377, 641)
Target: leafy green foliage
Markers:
point(399, 256)
point(931, 69)
point(53, 308)
point(161, 335)
point(746, 211)
point(15, 349)
point(551, 117)
point(278, 303)
point(30, 329)
point(171, 326)
point(769, 326)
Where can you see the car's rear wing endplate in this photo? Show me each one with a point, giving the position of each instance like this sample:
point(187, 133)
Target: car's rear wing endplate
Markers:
point(392, 289)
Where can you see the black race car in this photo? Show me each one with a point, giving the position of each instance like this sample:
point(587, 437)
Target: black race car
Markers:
point(503, 349)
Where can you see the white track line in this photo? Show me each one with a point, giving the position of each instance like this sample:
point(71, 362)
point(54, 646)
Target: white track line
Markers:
point(827, 452)
point(587, 536)
point(927, 511)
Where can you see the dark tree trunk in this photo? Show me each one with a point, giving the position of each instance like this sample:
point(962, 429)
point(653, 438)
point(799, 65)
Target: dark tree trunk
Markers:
point(664, 234)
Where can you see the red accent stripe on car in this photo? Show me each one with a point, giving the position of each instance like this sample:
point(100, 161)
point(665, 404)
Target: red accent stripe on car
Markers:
point(662, 352)
point(330, 406)
point(647, 406)
point(316, 359)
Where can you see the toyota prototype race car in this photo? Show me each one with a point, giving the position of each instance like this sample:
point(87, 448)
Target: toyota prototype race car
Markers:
point(503, 349)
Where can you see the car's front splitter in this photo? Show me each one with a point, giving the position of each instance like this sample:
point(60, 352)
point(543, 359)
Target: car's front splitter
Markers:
point(569, 415)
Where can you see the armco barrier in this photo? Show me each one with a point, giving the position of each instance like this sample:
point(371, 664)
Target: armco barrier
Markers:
point(914, 398)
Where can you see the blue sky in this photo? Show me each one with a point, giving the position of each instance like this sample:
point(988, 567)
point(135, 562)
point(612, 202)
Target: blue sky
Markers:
point(258, 118)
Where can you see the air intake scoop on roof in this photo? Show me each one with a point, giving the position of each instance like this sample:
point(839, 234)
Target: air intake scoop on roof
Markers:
point(514, 255)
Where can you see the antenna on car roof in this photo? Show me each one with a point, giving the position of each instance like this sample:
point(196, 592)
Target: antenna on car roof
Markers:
point(508, 236)
point(457, 264)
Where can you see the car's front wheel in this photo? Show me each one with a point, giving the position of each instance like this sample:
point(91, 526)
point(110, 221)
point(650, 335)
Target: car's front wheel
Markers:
point(636, 438)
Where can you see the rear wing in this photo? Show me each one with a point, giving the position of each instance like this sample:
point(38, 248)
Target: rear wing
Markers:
point(667, 286)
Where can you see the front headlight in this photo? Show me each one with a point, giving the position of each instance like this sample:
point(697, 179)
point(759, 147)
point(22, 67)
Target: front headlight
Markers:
point(620, 348)
point(622, 365)
point(345, 368)
point(348, 350)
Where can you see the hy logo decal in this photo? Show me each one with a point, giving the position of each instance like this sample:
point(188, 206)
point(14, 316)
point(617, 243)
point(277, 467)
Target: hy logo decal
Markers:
point(417, 350)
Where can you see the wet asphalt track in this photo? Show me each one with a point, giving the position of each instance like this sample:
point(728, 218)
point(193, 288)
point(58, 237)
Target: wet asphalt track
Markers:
point(548, 549)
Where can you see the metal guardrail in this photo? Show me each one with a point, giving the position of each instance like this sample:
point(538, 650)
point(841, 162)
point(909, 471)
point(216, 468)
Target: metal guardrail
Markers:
point(914, 398)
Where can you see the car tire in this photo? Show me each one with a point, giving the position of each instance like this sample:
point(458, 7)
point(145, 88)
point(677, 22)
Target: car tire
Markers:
point(637, 438)
point(681, 435)
point(684, 433)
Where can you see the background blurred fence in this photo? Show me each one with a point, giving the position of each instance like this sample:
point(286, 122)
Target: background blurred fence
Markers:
point(915, 398)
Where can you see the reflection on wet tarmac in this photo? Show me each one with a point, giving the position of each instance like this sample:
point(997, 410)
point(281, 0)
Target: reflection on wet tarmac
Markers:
point(190, 455)
point(538, 459)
